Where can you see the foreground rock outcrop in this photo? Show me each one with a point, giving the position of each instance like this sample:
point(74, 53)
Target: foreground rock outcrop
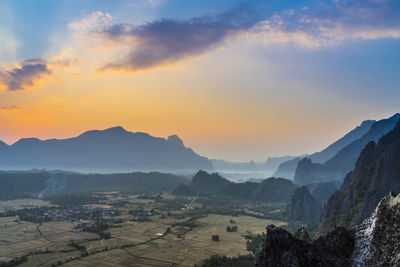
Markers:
point(280, 248)
point(375, 242)
point(378, 237)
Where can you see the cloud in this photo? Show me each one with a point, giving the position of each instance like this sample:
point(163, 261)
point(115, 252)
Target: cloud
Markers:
point(64, 62)
point(166, 41)
point(155, 3)
point(96, 20)
point(24, 75)
point(11, 108)
point(333, 24)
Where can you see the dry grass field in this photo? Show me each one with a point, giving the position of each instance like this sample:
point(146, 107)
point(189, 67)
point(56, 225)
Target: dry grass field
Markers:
point(132, 243)
point(20, 238)
point(22, 204)
point(170, 250)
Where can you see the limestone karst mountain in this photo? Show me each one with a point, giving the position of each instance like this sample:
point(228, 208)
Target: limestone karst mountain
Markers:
point(110, 150)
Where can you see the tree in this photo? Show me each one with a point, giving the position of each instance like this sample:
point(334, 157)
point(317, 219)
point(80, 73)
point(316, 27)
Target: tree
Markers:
point(215, 238)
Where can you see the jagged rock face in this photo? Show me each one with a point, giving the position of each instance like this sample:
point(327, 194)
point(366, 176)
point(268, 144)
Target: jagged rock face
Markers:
point(375, 242)
point(378, 237)
point(280, 248)
point(303, 207)
point(377, 171)
point(302, 234)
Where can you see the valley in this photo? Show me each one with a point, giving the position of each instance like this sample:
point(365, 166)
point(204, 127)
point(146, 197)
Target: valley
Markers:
point(147, 230)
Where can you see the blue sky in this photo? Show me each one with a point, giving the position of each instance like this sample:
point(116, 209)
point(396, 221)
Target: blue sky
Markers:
point(312, 68)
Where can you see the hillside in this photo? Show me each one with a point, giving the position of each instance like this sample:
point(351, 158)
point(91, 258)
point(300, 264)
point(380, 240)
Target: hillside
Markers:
point(271, 190)
point(202, 182)
point(111, 150)
point(33, 184)
point(377, 172)
point(303, 207)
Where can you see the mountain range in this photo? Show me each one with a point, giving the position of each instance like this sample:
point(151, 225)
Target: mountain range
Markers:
point(110, 150)
point(288, 169)
point(251, 169)
point(335, 169)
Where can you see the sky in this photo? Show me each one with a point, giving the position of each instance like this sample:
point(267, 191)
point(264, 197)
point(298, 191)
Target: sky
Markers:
point(236, 80)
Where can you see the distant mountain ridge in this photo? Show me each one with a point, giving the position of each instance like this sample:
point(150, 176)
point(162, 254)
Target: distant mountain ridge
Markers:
point(288, 169)
point(113, 149)
point(331, 150)
point(336, 168)
point(266, 168)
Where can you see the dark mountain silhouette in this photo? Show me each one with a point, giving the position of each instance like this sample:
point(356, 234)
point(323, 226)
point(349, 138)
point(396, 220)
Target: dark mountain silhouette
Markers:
point(271, 190)
point(287, 169)
point(203, 182)
point(336, 168)
point(275, 190)
point(303, 207)
point(280, 248)
point(110, 150)
point(377, 172)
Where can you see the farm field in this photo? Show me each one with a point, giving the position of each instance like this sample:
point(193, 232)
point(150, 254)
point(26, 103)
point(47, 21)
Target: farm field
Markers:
point(157, 231)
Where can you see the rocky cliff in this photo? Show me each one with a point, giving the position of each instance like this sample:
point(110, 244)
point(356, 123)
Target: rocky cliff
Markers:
point(378, 237)
point(374, 242)
point(281, 249)
point(377, 172)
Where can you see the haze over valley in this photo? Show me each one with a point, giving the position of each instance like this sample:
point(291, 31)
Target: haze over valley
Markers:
point(199, 133)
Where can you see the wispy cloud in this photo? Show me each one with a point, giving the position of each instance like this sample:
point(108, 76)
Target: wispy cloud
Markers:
point(166, 41)
point(11, 108)
point(333, 24)
point(25, 75)
point(96, 20)
point(155, 3)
